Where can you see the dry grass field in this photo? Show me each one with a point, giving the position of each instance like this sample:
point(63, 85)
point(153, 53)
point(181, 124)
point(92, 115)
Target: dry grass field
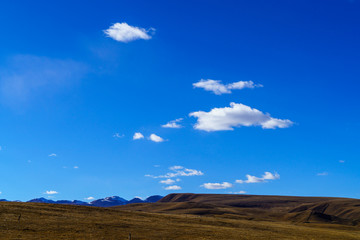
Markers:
point(172, 221)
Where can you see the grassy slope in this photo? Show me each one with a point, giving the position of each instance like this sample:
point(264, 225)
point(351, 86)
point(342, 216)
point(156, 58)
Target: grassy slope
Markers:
point(274, 208)
point(49, 221)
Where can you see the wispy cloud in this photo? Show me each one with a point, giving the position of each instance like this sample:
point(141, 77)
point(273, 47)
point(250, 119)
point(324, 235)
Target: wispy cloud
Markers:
point(179, 171)
point(123, 32)
point(52, 155)
point(118, 135)
point(173, 124)
point(167, 181)
point(218, 88)
point(323, 174)
point(176, 167)
point(27, 77)
point(341, 161)
point(137, 136)
point(264, 178)
point(173, 187)
point(89, 198)
point(223, 185)
point(155, 138)
point(237, 115)
point(51, 192)
point(239, 192)
point(76, 167)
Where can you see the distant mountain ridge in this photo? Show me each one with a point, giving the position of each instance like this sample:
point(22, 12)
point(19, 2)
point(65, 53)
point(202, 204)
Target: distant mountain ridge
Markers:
point(102, 202)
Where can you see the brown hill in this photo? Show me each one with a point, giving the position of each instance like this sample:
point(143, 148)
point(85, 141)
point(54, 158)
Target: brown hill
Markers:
point(218, 220)
point(278, 208)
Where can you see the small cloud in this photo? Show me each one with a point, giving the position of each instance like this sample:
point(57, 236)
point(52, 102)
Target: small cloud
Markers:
point(0, 192)
point(52, 155)
point(341, 161)
point(173, 187)
point(173, 124)
point(156, 165)
point(254, 179)
point(137, 136)
point(122, 32)
point(155, 138)
point(176, 167)
point(270, 176)
point(223, 185)
point(89, 198)
point(118, 135)
point(239, 192)
point(237, 115)
point(51, 192)
point(76, 167)
point(167, 181)
point(178, 171)
point(218, 88)
point(322, 174)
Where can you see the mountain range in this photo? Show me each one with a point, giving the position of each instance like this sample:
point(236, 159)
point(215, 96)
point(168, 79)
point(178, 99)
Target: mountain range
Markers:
point(102, 202)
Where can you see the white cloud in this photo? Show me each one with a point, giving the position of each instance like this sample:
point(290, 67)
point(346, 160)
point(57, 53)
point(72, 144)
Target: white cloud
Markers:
point(239, 192)
point(323, 174)
point(52, 155)
point(173, 124)
point(243, 84)
point(122, 32)
point(270, 176)
point(223, 185)
point(167, 181)
point(341, 161)
point(118, 135)
point(179, 171)
point(218, 88)
point(89, 198)
point(251, 179)
point(51, 192)
point(173, 187)
point(254, 179)
point(176, 167)
point(76, 167)
point(137, 136)
point(155, 138)
point(237, 115)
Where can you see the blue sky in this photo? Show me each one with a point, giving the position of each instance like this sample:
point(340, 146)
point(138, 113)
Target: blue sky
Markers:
point(265, 94)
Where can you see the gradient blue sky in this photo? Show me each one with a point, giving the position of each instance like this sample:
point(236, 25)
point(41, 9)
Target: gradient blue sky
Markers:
point(66, 88)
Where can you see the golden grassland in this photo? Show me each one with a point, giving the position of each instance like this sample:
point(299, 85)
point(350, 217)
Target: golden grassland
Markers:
point(53, 221)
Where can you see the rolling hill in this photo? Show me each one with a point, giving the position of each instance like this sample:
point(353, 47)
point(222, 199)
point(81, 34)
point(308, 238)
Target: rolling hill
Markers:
point(280, 208)
point(187, 216)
